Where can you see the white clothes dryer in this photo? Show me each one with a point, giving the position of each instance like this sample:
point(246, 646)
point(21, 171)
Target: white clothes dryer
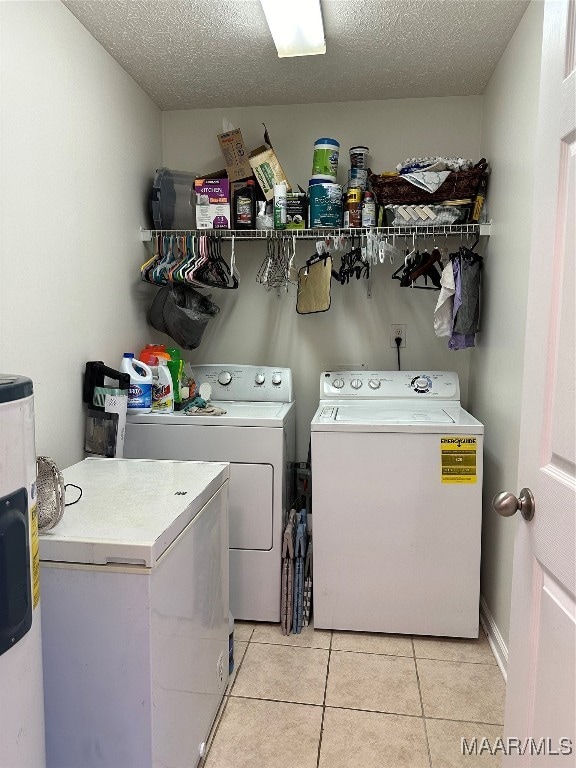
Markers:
point(397, 504)
point(256, 436)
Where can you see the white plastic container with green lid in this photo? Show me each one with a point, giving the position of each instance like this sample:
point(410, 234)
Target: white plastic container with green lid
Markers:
point(326, 154)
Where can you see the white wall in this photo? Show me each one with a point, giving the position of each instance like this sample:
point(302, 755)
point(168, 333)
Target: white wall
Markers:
point(80, 142)
point(258, 327)
point(509, 117)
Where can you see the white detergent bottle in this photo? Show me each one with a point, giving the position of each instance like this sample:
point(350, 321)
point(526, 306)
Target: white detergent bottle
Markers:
point(140, 393)
point(162, 388)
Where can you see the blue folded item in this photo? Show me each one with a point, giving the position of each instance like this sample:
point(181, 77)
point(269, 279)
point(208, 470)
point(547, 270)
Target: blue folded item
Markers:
point(300, 547)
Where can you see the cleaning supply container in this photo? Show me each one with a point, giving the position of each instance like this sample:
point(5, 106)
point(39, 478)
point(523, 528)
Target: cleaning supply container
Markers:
point(140, 393)
point(358, 177)
point(358, 157)
point(159, 350)
point(325, 160)
point(162, 388)
point(325, 204)
point(280, 205)
point(175, 366)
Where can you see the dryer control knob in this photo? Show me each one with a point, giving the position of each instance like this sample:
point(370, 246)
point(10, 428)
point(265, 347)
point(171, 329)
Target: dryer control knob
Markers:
point(260, 378)
point(338, 383)
point(374, 383)
point(355, 383)
point(276, 379)
point(224, 378)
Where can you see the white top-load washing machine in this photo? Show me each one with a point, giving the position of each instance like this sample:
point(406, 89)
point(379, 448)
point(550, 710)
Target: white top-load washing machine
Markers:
point(257, 436)
point(135, 616)
point(396, 503)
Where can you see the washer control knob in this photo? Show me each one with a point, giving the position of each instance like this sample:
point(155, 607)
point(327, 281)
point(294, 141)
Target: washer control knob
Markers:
point(338, 383)
point(355, 383)
point(224, 378)
point(374, 383)
point(421, 383)
point(276, 379)
point(260, 378)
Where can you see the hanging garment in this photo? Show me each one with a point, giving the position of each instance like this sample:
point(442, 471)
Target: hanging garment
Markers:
point(444, 312)
point(459, 340)
point(466, 320)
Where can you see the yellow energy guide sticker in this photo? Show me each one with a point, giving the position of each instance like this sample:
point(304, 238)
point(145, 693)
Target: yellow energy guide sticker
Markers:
point(458, 454)
point(35, 557)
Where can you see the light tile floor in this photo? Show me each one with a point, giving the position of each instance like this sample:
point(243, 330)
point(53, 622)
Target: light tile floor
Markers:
point(326, 699)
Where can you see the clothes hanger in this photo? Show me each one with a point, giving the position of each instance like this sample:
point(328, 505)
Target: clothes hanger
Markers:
point(215, 272)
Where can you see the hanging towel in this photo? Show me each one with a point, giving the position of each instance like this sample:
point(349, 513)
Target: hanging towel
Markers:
point(443, 314)
point(287, 596)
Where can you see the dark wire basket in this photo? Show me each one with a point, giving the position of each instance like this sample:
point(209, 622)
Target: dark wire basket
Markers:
point(459, 185)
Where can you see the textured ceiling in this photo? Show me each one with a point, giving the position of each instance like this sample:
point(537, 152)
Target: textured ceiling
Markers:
point(218, 53)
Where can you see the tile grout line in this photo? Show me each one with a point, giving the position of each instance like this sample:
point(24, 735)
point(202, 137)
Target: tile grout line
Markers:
point(359, 709)
point(421, 703)
point(324, 702)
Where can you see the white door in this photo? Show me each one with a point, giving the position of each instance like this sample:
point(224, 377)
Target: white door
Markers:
point(540, 702)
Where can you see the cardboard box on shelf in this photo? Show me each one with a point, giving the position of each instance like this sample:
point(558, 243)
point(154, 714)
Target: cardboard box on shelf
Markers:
point(212, 203)
point(235, 155)
point(296, 210)
point(267, 170)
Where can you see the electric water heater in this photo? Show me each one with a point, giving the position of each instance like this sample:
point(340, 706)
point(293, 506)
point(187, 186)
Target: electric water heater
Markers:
point(21, 698)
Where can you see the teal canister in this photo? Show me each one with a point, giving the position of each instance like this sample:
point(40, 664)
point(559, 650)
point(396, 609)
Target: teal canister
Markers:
point(325, 204)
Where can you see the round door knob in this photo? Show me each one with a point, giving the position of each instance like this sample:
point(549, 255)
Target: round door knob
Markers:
point(374, 384)
point(338, 383)
point(224, 378)
point(356, 383)
point(260, 378)
point(506, 504)
point(276, 379)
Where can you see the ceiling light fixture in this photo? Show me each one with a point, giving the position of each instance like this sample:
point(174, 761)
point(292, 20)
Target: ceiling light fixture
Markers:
point(296, 26)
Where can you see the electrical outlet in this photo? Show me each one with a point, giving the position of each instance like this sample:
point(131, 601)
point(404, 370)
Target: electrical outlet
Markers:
point(398, 329)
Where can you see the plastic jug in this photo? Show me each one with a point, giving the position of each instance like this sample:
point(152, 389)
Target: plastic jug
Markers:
point(154, 349)
point(162, 388)
point(140, 393)
point(175, 366)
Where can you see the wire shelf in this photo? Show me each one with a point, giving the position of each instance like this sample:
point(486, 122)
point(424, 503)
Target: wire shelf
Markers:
point(318, 234)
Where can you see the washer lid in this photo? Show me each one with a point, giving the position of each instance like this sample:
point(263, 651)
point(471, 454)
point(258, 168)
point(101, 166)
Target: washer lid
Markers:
point(386, 416)
point(14, 388)
point(376, 413)
point(131, 510)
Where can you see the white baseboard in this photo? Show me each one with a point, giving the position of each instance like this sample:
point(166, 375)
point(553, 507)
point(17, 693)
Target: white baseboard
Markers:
point(495, 639)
